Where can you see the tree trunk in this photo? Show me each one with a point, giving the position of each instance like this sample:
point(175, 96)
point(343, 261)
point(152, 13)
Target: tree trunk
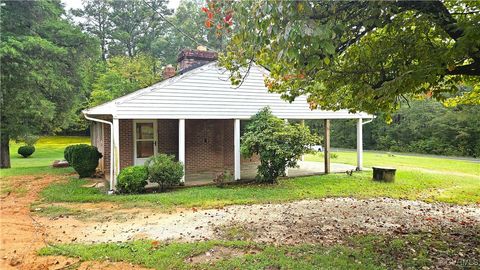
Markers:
point(5, 151)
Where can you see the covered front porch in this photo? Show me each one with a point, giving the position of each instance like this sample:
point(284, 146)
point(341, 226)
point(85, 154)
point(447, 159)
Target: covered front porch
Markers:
point(206, 147)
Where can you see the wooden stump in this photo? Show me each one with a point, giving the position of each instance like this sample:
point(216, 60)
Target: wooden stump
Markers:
point(384, 174)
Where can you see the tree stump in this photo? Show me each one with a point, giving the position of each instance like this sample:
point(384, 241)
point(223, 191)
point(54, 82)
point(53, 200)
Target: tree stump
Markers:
point(60, 164)
point(384, 174)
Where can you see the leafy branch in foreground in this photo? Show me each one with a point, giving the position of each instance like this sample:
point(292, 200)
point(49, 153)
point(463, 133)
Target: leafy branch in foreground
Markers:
point(359, 55)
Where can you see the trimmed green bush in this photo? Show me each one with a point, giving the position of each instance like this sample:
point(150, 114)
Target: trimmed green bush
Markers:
point(83, 158)
point(164, 170)
point(278, 144)
point(67, 153)
point(132, 179)
point(26, 150)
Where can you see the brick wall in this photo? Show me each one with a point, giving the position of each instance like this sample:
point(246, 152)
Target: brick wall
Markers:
point(205, 147)
point(126, 143)
point(168, 136)
point(106, 148)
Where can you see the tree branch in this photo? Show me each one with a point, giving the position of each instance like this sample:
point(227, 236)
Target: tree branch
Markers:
point(471, 70)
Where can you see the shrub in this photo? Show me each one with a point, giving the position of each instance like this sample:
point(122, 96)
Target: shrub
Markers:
point(67, 153)
point(132, 179)
point(26, 150)
point(83, 158)
point(278, 144)
point(164, 170)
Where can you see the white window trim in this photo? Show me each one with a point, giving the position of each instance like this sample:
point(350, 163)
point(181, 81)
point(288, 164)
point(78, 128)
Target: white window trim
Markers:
point(136, 161)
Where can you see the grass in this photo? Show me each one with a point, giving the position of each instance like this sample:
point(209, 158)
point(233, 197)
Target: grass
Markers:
point(47, 150)
point(411, 251)
point(55, 211)
point(409, 184)
point(406, 162)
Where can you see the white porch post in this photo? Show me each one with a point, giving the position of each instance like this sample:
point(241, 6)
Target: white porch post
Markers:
point(181, 145)
point(116, 151)
point(286, 167)
point(359, 144)
point(302, 158)
point(236, 149)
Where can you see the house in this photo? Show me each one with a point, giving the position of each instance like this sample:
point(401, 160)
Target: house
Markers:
point(196, 115)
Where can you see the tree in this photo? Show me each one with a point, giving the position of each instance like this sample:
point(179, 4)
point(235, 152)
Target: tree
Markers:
point(136, 23)
point(123, 75)
point(426, 126)
point(189, 19)
point(278, 144)
point(96, 21)
point(360, 55)
point(40, 55)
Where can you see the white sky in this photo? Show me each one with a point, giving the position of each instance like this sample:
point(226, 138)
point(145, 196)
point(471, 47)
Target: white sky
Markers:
point(69, 4)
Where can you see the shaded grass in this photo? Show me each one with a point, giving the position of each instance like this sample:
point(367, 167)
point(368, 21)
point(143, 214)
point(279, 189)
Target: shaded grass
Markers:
point(411, 251)
point(47, 150)
point(54, 211)
point(413, 185)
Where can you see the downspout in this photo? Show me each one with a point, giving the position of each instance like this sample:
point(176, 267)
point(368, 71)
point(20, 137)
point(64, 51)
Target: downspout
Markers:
point(111, 147)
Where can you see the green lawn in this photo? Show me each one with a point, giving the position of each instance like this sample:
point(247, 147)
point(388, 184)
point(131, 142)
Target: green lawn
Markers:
point(412, 251)
point(47, 150)
point(410, 184)
point(406, 162)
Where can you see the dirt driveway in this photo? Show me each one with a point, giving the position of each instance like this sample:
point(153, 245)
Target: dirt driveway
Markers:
point(22, 234)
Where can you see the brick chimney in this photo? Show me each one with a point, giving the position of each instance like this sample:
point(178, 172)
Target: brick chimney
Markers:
point(168, 72)
point(189, 59)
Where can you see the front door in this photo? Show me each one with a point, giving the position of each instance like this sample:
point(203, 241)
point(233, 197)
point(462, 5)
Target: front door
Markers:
point(145, 136)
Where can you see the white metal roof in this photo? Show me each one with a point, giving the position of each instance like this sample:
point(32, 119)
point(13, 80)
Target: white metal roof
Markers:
point(206, 93)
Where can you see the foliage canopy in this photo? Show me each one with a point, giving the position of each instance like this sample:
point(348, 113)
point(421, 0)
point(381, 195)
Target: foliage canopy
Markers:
point(41, 54)
point(359, 55)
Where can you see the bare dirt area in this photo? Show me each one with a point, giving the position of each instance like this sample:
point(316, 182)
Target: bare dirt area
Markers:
point(310, 221)
point(22, 234)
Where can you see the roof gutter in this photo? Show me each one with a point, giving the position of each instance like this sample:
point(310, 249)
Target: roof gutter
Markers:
point(369, 121)
point(110, 191)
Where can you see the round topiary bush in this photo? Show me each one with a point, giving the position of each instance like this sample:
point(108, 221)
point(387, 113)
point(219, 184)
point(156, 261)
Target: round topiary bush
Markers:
point(164, 170)
point(84, 159)
point(26, 150)
point(67, 153)
point(132, 179)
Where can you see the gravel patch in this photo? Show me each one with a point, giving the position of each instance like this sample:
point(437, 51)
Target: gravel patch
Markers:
point(309, 221)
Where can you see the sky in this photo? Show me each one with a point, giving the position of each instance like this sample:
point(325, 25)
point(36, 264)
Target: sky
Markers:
point(69, 4)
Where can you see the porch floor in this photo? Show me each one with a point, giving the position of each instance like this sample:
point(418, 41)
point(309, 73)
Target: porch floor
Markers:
point(249, 170)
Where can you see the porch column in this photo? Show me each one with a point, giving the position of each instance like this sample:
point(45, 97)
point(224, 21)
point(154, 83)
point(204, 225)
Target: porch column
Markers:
point(286, 167)
point(302, 158)
point(359, 144)
point(236, 149)
point(116, 151)
point(326, 147)
point(181, 145)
